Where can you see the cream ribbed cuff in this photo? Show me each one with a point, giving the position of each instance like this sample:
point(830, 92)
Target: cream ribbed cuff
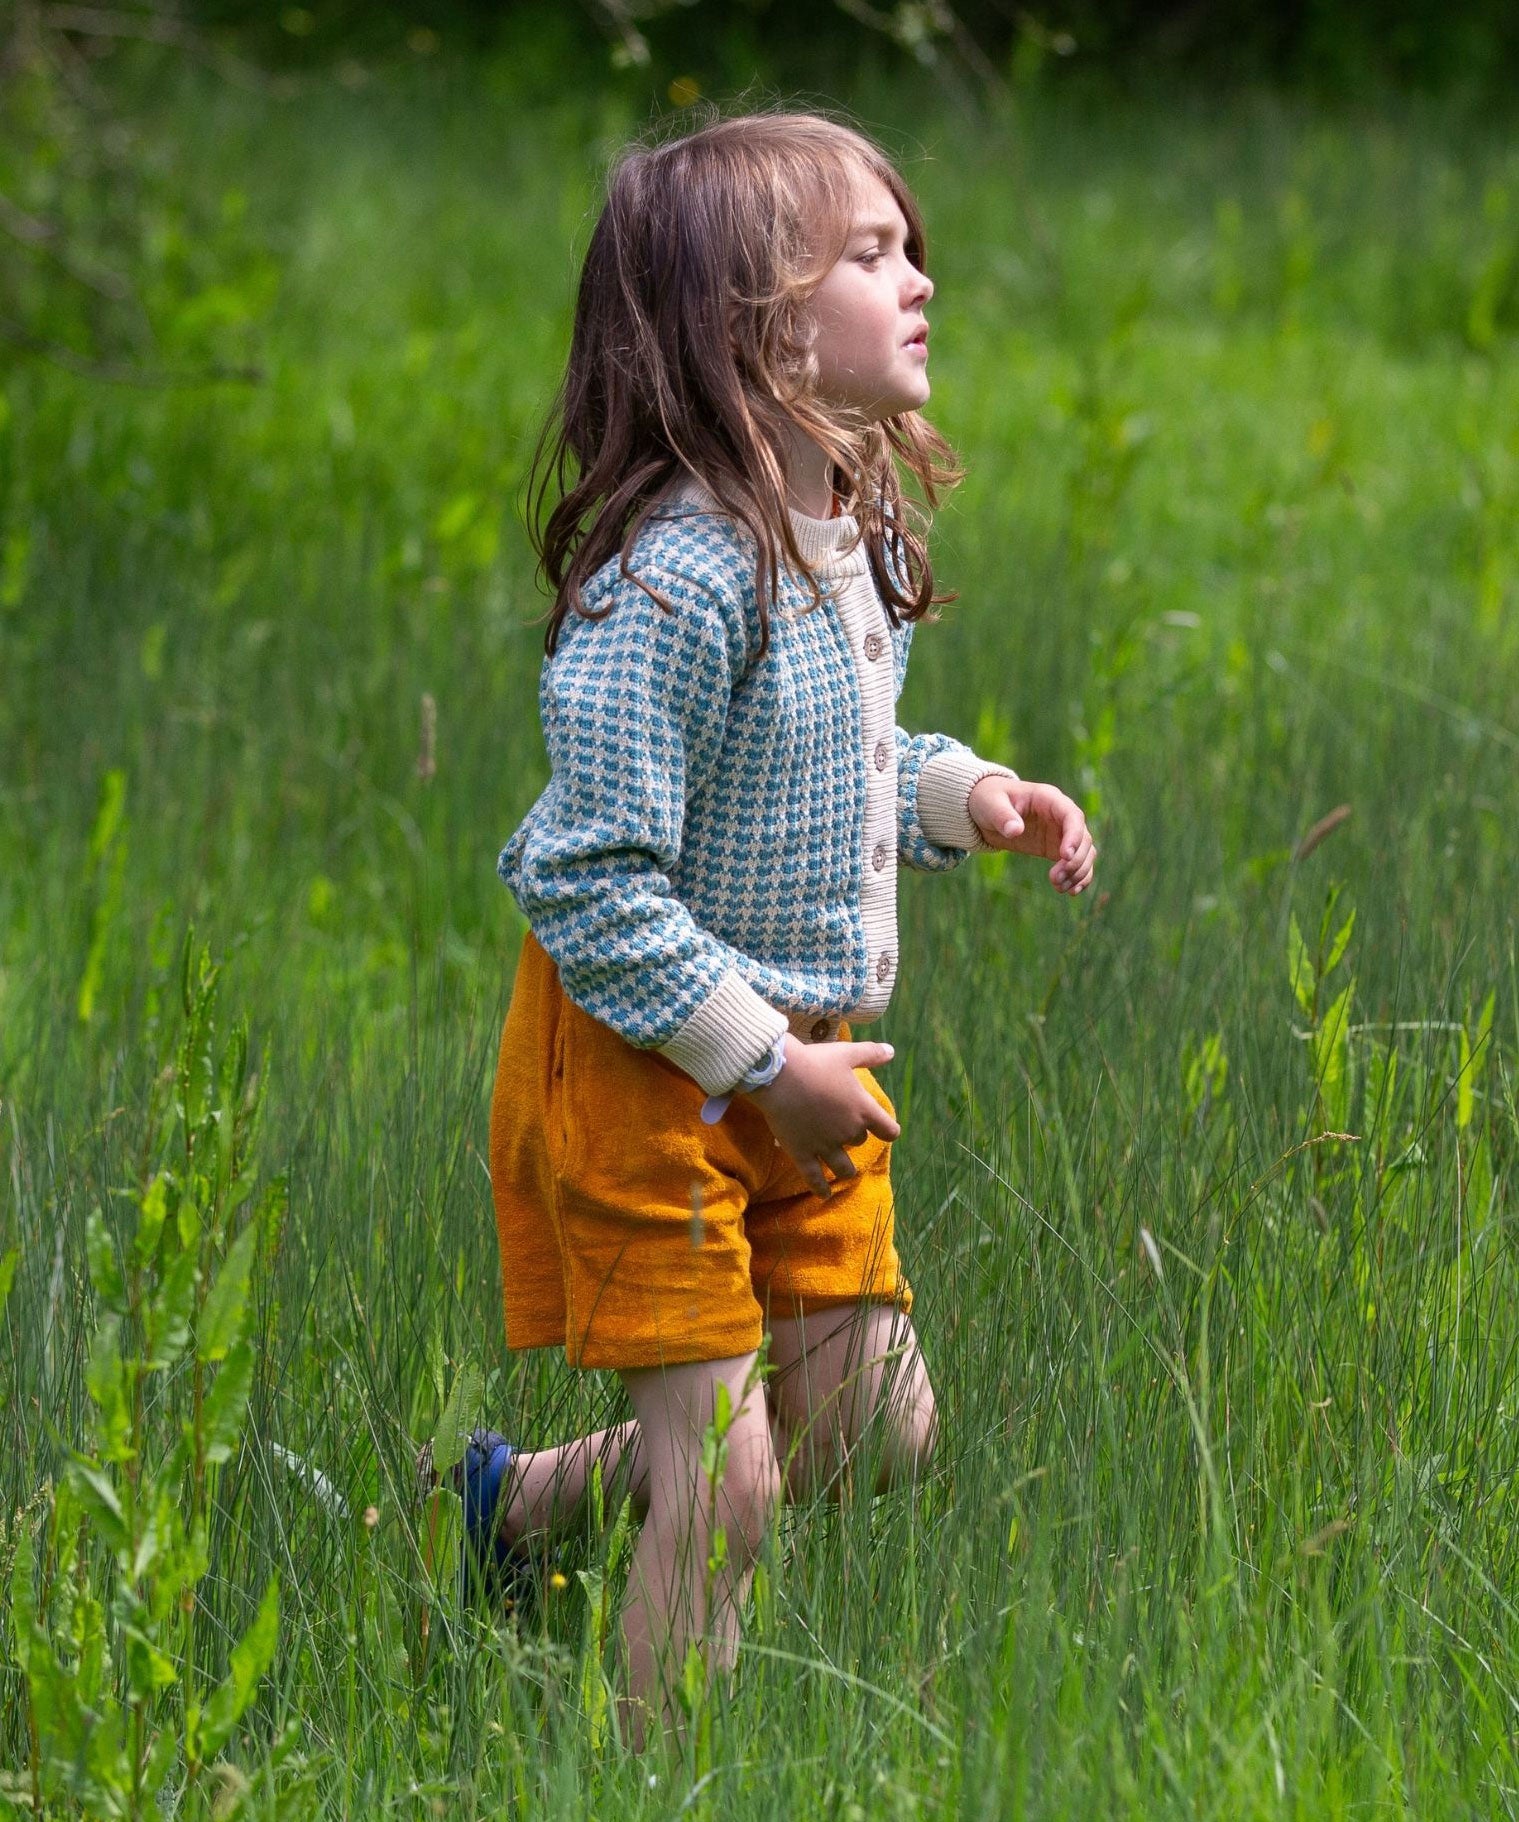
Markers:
point(944, 788)
point(726, 1035)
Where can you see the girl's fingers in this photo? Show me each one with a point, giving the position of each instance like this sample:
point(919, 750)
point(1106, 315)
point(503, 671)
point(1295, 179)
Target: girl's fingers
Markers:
point(841, 1164)
point(880, 1121)
point(1072, 875)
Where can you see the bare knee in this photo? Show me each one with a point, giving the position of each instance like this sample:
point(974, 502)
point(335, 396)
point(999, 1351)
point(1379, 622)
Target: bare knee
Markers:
point(751, 1491)
point(741, 1505)
point(909, 1432)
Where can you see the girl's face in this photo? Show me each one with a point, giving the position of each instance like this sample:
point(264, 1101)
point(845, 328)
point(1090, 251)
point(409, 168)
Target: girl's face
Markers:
point(871, 337)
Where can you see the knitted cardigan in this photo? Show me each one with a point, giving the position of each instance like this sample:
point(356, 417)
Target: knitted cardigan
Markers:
point(713, 860)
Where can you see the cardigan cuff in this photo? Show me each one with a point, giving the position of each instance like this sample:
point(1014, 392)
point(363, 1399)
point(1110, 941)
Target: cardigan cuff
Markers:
point(726, 1035)
point(944, 788)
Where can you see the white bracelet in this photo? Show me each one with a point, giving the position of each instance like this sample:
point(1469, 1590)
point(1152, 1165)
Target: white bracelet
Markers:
point(761, 1075)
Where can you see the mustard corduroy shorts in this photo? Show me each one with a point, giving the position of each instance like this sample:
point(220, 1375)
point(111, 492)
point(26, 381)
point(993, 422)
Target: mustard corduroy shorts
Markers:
point(633, 1235)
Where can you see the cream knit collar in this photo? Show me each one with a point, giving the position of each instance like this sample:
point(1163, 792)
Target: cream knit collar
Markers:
point(829, 546)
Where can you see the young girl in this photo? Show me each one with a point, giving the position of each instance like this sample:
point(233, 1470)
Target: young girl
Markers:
point(689, 1153)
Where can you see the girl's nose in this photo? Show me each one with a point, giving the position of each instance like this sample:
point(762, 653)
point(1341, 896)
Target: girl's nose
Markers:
point(922, 287)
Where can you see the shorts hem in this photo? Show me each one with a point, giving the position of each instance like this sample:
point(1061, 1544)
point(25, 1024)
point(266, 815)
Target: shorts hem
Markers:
point(521, 1339)
point(638, 1352)
point(790, 1304)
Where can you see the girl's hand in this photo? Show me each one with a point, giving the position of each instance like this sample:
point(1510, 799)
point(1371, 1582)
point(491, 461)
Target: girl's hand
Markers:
point(817, 1105)
point(1039, 820)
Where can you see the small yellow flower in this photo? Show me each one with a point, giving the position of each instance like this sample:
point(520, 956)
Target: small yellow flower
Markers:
point(371, 1517)
point(557, 1581)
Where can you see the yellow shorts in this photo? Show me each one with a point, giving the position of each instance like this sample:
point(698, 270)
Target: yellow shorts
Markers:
point(632, 1234)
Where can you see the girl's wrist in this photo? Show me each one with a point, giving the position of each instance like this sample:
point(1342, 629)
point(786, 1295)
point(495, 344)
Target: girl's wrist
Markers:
point(752, 1082)
point(765, 1070)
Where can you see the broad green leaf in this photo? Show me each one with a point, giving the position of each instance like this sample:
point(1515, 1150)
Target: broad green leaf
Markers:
point(91, 1645)
point(251, 1657)
point(168, 1319)
point(187, 1221)
point(692, 1688)
point(595, 1693)
point(149, 1666)
point(598, 1498)
point(96, 1493)
point(23, 1615)
point(226, 1404)
point(1485, 1019)
point(1340, 944)
point(622, 1533)
point(107, 1380)
point(459, 1417)
point(222, 1314)
point(105, 1268)
point(153, 1210)
point(1331, 1046)
point(150, 1541)
point(8, 1275)
point(1473, 1055)
point(1299, 966)
point(110, 1766)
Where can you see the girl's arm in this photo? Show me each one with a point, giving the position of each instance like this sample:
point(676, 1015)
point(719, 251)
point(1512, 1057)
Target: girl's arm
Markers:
point(634, 709)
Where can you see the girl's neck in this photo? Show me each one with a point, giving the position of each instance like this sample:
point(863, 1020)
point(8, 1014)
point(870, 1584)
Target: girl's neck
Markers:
point(809, 479)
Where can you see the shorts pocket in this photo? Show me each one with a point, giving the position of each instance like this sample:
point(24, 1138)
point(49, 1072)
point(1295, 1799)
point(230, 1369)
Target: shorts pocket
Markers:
point(556, 1102)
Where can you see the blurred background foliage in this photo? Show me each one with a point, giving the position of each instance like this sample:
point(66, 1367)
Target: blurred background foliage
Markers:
point(1335, 43)
point(112, 264)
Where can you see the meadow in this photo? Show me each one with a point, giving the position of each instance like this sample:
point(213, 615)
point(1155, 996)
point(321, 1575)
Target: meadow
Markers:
point(1207, 1184)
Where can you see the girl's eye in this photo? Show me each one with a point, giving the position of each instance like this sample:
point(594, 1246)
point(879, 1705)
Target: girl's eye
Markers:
point(872, 258)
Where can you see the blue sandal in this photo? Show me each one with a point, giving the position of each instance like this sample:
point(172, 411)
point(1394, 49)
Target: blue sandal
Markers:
point(492, 1571)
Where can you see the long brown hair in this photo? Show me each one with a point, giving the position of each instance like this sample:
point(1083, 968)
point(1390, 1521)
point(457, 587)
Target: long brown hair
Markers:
point(690, 357)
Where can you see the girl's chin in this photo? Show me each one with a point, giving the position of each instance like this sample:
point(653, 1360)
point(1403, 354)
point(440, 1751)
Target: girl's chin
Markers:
point(895, 405)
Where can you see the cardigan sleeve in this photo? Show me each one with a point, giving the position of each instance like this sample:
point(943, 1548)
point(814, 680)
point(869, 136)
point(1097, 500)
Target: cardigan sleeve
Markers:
point(634, 708)
point(935, 777)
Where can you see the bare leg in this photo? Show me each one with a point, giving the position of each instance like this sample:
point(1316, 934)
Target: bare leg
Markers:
point(699, 1543)
point(546, 1488)
point(844, 1377)
point(834, 1373)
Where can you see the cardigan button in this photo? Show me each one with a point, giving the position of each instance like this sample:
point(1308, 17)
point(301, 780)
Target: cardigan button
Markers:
point(874, 646)
point(883, 967)
point(882, 755)
point(878, 859)
point(819, 1031)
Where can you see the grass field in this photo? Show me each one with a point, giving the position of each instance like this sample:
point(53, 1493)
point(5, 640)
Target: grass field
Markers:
point(1220, 1521)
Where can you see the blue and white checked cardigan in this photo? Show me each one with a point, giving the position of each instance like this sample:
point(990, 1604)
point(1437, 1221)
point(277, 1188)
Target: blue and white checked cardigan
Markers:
point(714, 857)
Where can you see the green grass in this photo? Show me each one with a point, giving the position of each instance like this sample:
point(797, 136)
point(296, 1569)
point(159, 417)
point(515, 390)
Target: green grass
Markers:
point(1220, 1522)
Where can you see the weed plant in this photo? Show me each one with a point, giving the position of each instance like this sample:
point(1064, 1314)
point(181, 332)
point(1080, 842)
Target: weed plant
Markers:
point(1207, 1182)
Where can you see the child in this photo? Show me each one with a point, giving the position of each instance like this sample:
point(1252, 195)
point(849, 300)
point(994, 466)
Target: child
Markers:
point(710, 874)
